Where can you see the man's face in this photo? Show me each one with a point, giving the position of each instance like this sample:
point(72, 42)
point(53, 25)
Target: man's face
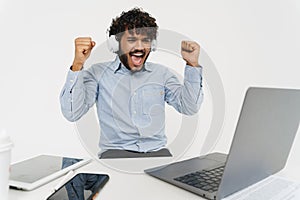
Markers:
point(135, 48)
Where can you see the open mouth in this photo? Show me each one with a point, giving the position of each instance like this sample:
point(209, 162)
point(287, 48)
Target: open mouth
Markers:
point(137, 57)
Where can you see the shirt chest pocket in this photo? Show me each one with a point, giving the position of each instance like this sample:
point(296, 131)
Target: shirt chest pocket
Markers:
point(153, 101)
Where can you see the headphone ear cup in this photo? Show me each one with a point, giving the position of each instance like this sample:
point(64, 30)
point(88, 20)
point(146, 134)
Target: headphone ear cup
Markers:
point(113, 44)
point(153, 45)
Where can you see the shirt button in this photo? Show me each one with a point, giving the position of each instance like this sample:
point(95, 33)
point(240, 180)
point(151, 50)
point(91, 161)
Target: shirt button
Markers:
point(134, 112)
point(134, 93)
point(71, 81)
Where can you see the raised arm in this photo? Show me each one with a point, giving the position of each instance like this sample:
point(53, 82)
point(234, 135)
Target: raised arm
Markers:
point(186, 98)
point(80, 90)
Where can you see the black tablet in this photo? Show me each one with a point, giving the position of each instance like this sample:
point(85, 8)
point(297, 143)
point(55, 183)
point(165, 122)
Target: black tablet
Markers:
point(83, 186)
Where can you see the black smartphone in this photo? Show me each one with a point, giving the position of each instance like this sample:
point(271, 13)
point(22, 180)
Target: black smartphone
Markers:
point(83, 186)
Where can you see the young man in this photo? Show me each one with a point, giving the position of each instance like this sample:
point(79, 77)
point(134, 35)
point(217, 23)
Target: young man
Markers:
point(130, 93)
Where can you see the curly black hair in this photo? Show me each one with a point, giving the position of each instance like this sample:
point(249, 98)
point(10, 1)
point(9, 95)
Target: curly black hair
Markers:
point(135, 19)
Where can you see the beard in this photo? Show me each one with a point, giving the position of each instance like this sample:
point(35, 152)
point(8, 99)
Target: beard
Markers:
point(125, 56)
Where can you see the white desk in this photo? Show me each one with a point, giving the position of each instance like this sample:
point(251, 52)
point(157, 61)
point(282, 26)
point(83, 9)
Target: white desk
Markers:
point(121, 185)
point(127, 186)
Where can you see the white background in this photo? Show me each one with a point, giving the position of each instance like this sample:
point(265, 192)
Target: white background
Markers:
point(252, 43)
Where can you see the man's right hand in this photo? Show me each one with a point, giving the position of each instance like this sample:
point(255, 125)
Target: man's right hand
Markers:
point(83, 48)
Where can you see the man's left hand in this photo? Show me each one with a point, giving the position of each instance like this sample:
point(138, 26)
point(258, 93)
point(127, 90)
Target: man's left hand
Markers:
point(190, 51)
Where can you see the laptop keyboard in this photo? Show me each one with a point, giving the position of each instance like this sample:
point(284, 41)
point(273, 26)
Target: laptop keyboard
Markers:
point(207, 180)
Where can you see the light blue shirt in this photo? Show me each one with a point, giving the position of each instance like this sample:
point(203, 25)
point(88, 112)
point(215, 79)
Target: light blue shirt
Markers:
point(131, 105)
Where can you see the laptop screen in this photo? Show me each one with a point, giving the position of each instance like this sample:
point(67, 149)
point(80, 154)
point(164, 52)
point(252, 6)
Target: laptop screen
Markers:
point(263, 138)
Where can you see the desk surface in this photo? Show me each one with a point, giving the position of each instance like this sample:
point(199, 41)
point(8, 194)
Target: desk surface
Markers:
point(124, 185)
point(121, 185)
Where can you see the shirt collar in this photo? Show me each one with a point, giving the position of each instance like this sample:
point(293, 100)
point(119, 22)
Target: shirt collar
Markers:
point(117, 64)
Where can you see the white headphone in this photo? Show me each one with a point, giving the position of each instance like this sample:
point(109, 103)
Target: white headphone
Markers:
point(113, 44)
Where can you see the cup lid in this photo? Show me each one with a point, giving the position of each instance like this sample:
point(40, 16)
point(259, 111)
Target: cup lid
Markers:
point(4, 138)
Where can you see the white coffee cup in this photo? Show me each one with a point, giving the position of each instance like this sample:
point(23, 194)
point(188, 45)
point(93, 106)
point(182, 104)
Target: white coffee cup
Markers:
point(5, 156)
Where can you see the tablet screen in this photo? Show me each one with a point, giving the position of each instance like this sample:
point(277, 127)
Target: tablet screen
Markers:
point(34, 169)
point(83, 186)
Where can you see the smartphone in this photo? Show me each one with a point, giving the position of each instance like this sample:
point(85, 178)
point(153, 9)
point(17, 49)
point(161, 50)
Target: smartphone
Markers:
point(83, 186)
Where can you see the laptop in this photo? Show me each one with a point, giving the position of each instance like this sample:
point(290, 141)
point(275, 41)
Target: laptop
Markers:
point(264, 134)
point(39, 170)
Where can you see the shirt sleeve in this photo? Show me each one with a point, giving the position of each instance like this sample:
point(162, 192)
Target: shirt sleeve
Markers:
point(78, 94)
point(186, 98)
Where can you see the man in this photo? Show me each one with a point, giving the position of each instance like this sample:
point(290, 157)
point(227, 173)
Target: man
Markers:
point(130, 93)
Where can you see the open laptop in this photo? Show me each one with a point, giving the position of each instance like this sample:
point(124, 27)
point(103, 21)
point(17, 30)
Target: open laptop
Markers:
point(39, 170)
point(265, 132)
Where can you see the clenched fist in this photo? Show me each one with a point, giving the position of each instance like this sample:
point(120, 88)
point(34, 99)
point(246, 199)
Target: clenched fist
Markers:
point(190, 52)
point(83, 48)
